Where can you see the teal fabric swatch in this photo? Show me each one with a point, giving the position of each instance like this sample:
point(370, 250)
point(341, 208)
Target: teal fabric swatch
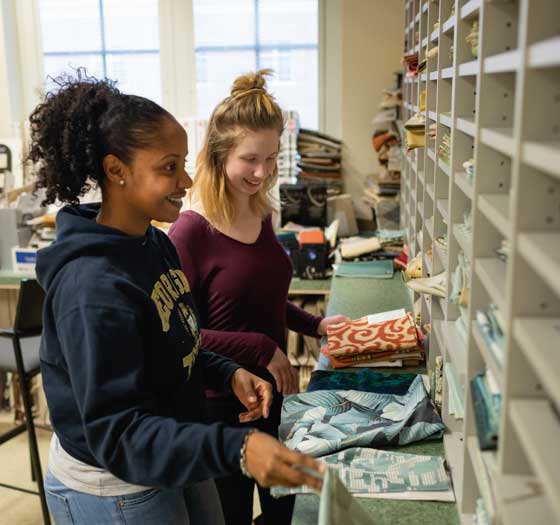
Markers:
point(364, 380)
point(325, 421)
point(371, 471)
point(381, 269)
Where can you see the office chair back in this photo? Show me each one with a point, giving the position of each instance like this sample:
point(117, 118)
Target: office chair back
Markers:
point(29, 312)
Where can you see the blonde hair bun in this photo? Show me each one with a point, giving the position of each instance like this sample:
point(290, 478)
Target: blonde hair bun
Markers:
point(250, 83)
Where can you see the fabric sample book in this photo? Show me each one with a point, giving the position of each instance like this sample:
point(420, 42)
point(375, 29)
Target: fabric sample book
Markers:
point(370, 473)
point(325, 421)
point(338, 506)
point(370, 269)
point(364, 340)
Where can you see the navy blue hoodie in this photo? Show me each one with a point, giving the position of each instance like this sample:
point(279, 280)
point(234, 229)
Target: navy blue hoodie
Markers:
point(121, 361)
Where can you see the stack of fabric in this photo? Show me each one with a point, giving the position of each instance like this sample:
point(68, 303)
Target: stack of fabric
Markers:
point(288, 156)
point(435, 285)
point(490, 326)
point(472, 39)
point(392, 98)
point(415, 132)
point(321, 156)
point(385, 244)
point(382, 189)
point(411, 63)
point(432, 131)
point(487, 401)
point(444, 151)
point(395, 341)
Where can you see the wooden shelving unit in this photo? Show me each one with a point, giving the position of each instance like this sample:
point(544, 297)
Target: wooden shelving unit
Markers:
point(502, 109)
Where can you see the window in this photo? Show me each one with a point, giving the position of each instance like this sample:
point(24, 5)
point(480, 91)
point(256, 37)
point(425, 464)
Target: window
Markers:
point(115, 39)
point(232, 38)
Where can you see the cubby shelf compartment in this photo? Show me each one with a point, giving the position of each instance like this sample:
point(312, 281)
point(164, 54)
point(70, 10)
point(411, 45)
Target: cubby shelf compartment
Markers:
point(537, 428)
point(465, 242)
point(468, 69)
point(544, 156)
point(534, 335)
point(467, 126)
point(470, 9)
point(448, 25)
point(545, 53)
point(492, 273)
point(501, 139)
point(462, 180)
point(451, 339)
point(496, 209)
point(506, 62)
point(489, 358)
point(541, 250)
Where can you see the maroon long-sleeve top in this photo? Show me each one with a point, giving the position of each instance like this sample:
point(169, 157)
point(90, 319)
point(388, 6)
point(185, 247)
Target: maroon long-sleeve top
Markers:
point(240, 290)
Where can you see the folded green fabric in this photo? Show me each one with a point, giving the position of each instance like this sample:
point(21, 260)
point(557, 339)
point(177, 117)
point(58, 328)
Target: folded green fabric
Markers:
point(373, 269)
point(364, 380)
point(486, 413)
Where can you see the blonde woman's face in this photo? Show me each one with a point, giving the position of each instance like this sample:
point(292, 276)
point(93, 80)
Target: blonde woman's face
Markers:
point(252, 161)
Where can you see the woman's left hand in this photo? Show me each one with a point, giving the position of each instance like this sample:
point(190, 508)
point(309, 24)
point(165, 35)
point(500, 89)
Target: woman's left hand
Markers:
point(255, 394)
point(327, 321)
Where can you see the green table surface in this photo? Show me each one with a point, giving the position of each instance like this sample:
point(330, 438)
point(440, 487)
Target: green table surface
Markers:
point(8, 278)
point(356, 298)
point(308, 286)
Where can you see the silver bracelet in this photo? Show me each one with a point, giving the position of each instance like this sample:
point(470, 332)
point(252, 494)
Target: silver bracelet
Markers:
point(243, 455)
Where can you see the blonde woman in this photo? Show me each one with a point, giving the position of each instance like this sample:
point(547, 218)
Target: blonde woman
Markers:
point(239, 273)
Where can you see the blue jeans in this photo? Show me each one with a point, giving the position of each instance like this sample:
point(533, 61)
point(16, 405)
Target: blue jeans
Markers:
point(195, 505)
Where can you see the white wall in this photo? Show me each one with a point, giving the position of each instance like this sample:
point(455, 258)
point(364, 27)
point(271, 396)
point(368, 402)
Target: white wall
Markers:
point(363, 50)
point(360, 44)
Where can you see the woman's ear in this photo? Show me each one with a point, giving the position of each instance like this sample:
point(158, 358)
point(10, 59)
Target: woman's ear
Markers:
point(115, 170)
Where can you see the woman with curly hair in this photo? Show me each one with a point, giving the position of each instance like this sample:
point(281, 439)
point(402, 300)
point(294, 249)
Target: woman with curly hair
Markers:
point(239, 272)
point(121, 356)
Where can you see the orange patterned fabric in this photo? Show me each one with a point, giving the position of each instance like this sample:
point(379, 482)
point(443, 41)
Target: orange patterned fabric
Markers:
point(409, 357)
point(359, 336)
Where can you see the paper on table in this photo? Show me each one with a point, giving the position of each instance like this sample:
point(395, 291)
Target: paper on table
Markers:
point(381, 317)
point(337, 505)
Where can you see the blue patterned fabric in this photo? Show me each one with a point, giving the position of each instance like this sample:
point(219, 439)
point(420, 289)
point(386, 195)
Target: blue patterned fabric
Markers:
point(321, 422)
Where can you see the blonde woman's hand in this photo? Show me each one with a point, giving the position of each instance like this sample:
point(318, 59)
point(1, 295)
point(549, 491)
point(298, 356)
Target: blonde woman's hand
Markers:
point(328, 321)
point(255, 394)
point(285, 375)
point(271, 463)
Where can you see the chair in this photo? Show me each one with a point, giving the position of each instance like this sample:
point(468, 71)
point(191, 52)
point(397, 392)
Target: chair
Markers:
point(21, 356)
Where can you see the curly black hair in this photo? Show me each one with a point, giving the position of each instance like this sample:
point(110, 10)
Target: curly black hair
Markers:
point(80, 123)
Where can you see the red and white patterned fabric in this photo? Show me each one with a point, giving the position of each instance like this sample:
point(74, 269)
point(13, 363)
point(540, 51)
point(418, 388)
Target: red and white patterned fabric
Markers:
point(354, 337)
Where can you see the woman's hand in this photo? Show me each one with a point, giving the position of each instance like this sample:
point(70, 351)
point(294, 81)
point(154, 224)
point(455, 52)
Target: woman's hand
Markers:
point(271, 463)
point(327, 321)
point(255, 394)
point(285, 375)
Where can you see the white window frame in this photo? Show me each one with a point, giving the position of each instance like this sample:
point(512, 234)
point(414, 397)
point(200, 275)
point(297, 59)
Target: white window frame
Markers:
point(21, 56)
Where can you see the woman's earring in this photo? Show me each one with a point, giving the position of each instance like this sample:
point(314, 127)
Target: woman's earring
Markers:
point(121, 182)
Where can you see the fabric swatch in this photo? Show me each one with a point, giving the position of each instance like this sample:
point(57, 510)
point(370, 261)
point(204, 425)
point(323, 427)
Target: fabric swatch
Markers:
point(326, 421)
point(364, 381)
point(367, 472)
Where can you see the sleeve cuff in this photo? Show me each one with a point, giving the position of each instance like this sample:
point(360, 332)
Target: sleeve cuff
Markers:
point(267, 349)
